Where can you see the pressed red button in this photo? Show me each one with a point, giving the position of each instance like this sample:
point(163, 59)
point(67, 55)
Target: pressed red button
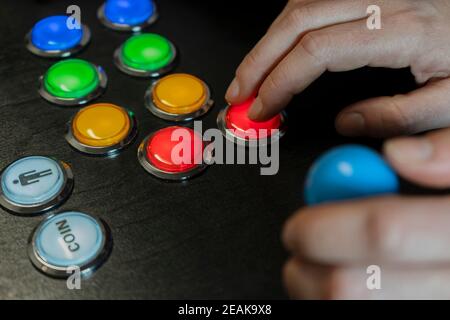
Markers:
point(161, 154)
point(237, 120)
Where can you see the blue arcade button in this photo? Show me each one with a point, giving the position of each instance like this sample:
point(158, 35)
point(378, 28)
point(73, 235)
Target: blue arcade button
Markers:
point(55, 37)
point(128, 15)
point(35, 184)
point(67, 241)
point(349, 172)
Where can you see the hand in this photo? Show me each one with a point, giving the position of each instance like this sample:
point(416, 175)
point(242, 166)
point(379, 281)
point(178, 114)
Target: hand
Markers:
point(407, 237)
point(313, 36)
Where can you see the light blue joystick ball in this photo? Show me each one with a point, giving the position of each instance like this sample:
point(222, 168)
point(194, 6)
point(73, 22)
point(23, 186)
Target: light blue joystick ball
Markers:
point(349, 172)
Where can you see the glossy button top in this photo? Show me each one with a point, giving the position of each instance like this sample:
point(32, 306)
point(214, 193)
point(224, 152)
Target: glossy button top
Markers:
point(52, 33)
point(237, 120)
point(73, 78)
point(160, 148)
point(347, 172)
point(101, 125)
point(180, 94)
point(147, 52)
point(32, 180)
point(129, 12)
point(69, 239)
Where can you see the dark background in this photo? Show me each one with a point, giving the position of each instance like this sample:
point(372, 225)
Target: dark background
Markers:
point(216, 236)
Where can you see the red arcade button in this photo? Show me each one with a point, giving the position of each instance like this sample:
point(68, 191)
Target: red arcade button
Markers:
point(235, 124)
point(174, 153)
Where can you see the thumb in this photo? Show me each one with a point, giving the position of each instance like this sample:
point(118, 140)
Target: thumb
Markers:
point(424, 160)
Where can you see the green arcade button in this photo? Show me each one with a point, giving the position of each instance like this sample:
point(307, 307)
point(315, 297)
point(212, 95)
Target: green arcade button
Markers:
point(146, 55)
point(72, 82)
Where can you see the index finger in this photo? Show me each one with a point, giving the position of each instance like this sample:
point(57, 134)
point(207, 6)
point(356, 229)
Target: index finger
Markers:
point(297, 19)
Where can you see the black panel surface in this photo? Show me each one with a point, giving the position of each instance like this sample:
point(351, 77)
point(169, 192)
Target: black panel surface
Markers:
point(216, 236)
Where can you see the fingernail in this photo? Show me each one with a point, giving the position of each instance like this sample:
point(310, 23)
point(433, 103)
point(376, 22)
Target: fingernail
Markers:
point(351, 124)
point(233, 90)
point(255, 110)
point(409, 150)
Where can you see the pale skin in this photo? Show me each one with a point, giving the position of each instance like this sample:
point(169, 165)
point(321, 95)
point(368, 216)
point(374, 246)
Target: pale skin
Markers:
point(408, 237)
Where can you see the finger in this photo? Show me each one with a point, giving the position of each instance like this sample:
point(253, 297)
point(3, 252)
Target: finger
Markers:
point(286, 11)
point(375, 230)
point(306, 281)
point(338, 48)
point(424, 109)
point(298, 18)
point(423, 160)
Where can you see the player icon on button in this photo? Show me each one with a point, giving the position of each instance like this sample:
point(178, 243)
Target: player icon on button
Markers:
point(35, 184)
point(31, 177)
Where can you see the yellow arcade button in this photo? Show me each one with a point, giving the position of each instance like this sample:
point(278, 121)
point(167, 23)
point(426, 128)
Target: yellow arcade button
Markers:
point(101, 125)
point(101, 129)
point(180, 96)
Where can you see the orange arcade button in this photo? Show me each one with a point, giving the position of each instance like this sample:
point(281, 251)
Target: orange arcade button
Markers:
point(179, 97)
point(101, 129)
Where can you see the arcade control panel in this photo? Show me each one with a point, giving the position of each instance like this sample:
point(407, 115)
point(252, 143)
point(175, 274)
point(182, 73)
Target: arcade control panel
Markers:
point(87, 178)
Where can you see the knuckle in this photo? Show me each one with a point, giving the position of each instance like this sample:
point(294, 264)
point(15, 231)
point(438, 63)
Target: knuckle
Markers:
point(277, 82)
point(249, 64)
point(418, 19)
point(300, 15)
point(252, 58)
point(412, 17)
point(418, 70)
point(271, 84)
point(394, 117)
point(383, 236)
point(295, 18)
point(288, 276)
point(267, 89)
point(314, 44)
point(420, 22)
point(288, 270)
point(337, 285)
point(241, 71)
point(390, 118)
